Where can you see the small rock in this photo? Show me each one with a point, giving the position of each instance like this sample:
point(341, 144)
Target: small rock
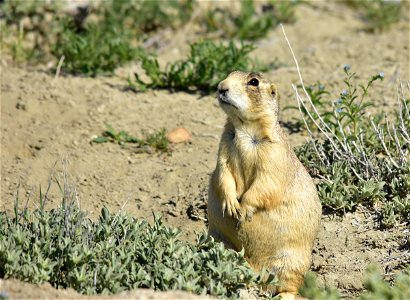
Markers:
point(173, 213)
point(21, 105)
point(178, 135)
point(101, 108)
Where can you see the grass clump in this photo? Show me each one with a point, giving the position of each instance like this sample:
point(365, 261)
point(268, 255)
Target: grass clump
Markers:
point(115, 253)
point(376, 287)
point(204, 67)
point(378, 14)
point(20, 52)
point(95, 40)
point(14, 11)
point(156, 140)
point(312, 290)
point(27, 28)
point(249, 24)
point(147, 15)
point(358, 158)
point(97, 49)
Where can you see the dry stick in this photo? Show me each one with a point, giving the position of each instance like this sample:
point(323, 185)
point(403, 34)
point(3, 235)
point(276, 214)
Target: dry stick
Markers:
point(299, 100)
point(310, 100)
point(402, 127)
point(407, 112)
point(403, 106)
point(398, 146)
point(395, 139)
point(351, 155)
point(121, 209)
point(49, 183)
point(381, 138)
point(69, 190)
point(60, 64)
point(404, 99)
point(388, 130)
point(311, 135)
point(302, 84)
point(368, 160)
point(399, 103)
point(325, 178)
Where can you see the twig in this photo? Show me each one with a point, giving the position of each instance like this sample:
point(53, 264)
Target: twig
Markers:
point(381, 138)
point(311, 136)
point(299, 99)
point(403, 106)
point(121, 209)
point(398, 146)
point(303, 85)
point(60, 64)
point(311, 103)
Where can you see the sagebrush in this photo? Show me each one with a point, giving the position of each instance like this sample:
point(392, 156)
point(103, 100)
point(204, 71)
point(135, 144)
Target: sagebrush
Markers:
point(358, 158)
point(376, 287)
point(115, 253)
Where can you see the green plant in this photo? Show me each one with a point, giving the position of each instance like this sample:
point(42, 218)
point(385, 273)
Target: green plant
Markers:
point(156, 140)
point(249, 24)
point(311, 289)
point(27, 29)
point(94, 41)
point(98, 48)
point(378, 14)
point(204, 67)
point(3, 295)
point(146, 16)
point(376, 287)
point(19, 52)
point(14, 11)
point(357, 158)
point(115, 253)
point(316, 93)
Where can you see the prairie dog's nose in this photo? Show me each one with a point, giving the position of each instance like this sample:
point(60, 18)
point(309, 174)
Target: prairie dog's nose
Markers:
point(222, 88)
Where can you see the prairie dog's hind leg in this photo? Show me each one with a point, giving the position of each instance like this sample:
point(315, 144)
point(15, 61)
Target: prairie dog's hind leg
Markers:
point(220, 238)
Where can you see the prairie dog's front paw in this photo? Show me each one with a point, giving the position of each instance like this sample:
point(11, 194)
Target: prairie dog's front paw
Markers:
point(231, 206)
point(246, 212)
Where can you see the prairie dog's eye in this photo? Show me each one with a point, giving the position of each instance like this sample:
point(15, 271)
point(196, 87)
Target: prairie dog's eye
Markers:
point(254, 82)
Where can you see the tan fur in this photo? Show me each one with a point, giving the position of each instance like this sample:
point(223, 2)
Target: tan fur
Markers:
point(261, 198)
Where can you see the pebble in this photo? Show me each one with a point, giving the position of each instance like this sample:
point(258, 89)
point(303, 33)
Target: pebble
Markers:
point(178, 135)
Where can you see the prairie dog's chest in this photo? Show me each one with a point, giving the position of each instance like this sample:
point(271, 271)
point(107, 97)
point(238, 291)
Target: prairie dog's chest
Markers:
point(246, 149)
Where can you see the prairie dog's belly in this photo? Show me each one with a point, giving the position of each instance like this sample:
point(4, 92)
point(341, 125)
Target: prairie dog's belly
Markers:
point(268, 233)
point(264, 227)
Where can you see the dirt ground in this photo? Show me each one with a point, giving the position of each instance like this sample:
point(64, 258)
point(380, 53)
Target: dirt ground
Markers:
point(46, 120)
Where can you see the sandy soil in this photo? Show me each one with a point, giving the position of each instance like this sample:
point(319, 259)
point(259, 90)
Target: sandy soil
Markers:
point(46, 120)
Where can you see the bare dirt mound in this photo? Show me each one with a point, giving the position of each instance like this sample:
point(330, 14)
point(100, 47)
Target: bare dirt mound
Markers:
point(18, 290)
point(44, 119)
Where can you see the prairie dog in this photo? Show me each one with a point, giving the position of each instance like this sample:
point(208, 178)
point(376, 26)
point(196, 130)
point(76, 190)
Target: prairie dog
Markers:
point(261, 198)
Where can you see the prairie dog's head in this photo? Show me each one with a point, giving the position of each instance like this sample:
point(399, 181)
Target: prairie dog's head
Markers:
point(248, 96)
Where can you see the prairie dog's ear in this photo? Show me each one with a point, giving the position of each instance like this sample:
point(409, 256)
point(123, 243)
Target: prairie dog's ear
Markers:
point(274, 91)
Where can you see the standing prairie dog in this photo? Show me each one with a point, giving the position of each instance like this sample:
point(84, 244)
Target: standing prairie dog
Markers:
point(261, 198)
